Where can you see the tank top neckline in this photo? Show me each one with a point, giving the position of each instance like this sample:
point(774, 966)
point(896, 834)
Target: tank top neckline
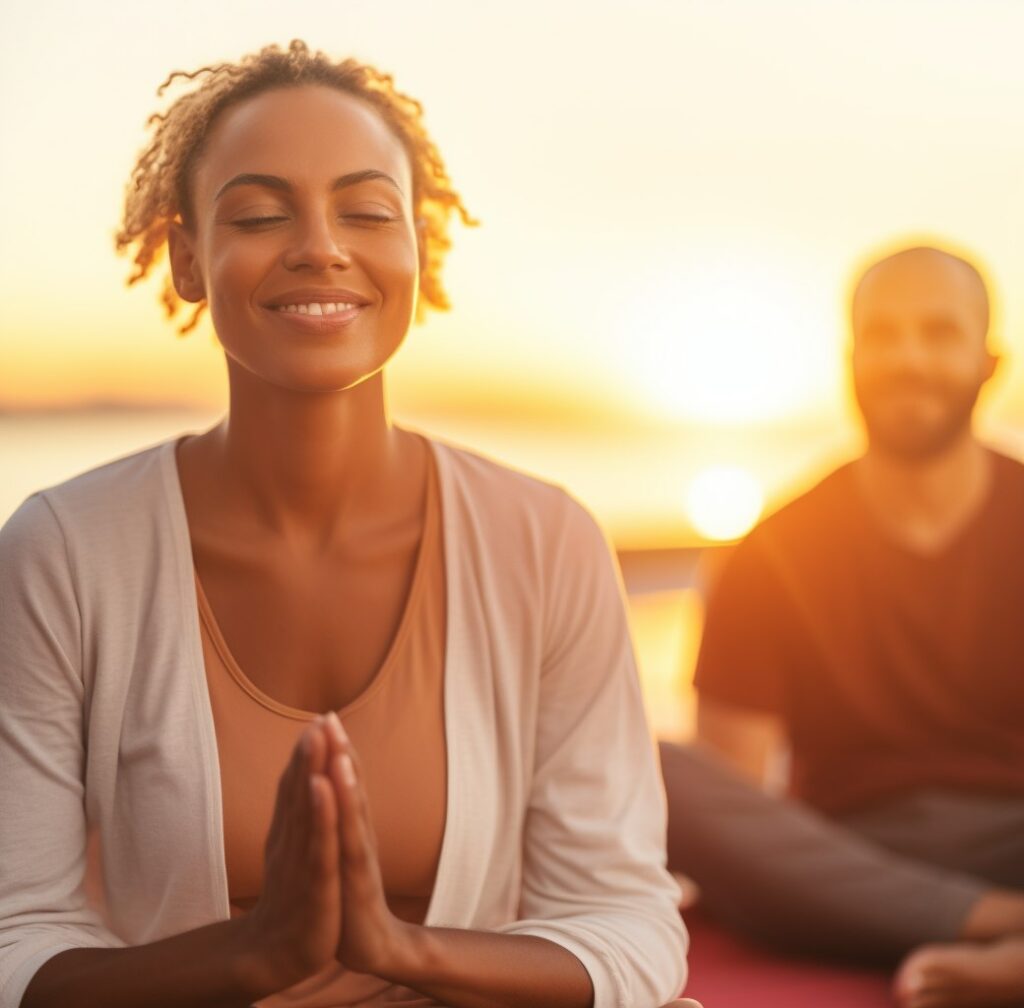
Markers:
point(404, 625)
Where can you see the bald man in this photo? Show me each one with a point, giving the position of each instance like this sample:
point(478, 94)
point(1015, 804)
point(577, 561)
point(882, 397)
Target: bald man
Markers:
point(869, 637)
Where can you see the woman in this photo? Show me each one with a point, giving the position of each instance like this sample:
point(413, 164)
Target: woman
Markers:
point(433, 645)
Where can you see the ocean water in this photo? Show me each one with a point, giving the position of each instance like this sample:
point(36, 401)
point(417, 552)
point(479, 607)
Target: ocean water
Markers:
point(634, 480)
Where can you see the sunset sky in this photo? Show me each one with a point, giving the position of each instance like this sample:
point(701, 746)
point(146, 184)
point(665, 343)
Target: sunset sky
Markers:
point(672, 195)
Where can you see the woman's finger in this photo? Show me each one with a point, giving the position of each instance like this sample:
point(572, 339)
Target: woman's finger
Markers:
point(358, 841)
point(358, 849)
point(285, 799)
point(312, 749)
point(318, 747)
point(335, 730)
point(342, 744)
point(324, 834)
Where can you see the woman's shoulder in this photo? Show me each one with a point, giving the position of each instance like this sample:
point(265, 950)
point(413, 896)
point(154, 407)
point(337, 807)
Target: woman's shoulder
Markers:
point(506, 492)
point(110, 496)
point(142, 467)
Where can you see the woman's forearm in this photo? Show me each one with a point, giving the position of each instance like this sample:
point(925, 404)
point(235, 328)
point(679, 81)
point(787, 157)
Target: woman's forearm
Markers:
point(460, 968)
point(209, 967)
point(483, 969)
point(289, 934)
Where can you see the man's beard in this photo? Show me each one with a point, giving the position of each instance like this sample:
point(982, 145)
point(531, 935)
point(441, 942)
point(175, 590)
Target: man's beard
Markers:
point(921, 441)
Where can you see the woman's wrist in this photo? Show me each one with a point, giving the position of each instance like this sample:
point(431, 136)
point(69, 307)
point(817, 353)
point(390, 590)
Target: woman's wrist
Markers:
point(257, 962)
point(405, 956)
point(215, 964)
point(466, 968)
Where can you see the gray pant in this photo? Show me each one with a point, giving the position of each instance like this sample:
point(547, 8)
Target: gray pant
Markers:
point(867, 887)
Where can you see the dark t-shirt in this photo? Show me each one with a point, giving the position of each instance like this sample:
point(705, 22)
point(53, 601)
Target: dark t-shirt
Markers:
point(890, 670)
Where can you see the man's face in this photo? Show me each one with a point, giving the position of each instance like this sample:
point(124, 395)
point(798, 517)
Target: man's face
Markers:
point(919, 353)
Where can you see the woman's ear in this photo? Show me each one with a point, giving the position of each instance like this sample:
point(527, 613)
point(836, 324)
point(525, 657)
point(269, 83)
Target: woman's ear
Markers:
point(185, 273)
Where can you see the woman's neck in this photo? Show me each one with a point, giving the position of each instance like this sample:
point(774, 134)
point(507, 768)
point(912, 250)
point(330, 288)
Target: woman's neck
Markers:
point(304, 466)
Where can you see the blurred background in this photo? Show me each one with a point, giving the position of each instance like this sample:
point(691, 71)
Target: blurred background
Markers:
point(674, 197)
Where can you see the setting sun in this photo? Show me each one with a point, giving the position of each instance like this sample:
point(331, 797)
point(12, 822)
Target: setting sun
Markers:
point(733, 339)
point(724, 502)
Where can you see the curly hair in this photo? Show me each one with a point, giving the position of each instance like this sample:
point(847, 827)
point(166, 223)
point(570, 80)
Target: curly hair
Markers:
point(158, 192)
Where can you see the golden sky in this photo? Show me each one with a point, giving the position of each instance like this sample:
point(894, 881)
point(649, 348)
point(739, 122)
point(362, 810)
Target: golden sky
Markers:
point(673, 194)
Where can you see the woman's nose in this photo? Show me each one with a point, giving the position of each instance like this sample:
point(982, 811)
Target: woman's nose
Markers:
point(318, 245)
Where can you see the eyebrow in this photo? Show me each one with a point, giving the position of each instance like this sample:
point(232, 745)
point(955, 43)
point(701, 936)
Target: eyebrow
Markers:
point(283, 185)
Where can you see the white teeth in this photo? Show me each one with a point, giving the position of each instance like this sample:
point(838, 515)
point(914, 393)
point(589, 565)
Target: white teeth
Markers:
point(317, 308)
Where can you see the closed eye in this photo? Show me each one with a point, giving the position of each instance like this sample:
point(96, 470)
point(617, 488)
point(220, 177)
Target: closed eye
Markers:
point(251, 222)
point(363, 218)
point(370, 218)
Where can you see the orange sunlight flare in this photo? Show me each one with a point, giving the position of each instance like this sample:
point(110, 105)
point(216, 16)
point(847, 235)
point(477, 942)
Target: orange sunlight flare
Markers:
point(723, 502)
point(732, 339)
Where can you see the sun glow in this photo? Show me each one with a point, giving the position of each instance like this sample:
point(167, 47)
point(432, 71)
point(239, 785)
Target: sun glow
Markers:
point(727, 342)
point(723, 502)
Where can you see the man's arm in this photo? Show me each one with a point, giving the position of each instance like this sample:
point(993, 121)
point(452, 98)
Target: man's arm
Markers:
point(746, 653)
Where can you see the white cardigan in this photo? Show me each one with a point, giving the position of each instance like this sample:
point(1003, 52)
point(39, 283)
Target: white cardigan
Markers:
point(555, 822)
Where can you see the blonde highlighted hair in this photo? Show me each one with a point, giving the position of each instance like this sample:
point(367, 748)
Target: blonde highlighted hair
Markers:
point(159, 190)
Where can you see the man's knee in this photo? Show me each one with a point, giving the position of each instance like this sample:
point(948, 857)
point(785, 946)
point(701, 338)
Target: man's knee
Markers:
point(696, 776)
point(681, 761)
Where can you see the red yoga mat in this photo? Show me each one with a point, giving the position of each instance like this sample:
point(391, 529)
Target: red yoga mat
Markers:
point(728, 972)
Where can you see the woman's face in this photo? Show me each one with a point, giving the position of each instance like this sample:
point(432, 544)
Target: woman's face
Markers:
point(302, 200)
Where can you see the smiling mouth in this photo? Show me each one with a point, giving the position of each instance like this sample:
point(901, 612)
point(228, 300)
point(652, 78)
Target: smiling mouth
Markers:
point(317, 308)
point(319, 317)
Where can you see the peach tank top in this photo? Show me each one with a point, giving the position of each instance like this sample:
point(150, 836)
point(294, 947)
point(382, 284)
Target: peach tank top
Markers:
point(397, 727)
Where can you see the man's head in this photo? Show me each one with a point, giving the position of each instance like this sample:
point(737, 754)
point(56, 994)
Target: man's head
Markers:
point(920, 350)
